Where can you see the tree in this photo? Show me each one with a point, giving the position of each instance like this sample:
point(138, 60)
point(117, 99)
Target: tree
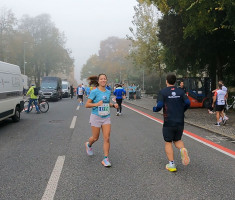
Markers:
point(48, 45)
point(112, 60)
point(146, 49)
point(7, 29)
point(205, 26)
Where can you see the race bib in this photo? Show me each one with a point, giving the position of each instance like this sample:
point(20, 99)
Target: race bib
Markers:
point(104, 110)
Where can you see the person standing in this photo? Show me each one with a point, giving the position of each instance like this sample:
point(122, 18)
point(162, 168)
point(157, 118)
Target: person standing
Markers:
point(33, 99)
point(134, 91)
point(219, 103)
point(99, 101)
point(88, 90)
point(174, 103)
point(71, 91)
point(80, 93)
point(182, 86)
point(120, 93)
point(130, 92)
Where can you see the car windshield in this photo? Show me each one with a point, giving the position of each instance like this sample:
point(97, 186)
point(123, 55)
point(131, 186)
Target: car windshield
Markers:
point(48, 85)
point(64, 86)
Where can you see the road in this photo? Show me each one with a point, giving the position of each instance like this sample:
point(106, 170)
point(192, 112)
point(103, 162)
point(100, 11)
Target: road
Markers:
point(43, 157)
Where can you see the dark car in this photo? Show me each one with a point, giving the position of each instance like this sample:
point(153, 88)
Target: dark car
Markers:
point(51, 88)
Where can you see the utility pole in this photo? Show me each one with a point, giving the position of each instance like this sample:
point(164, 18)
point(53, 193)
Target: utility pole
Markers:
point(143, 78)
point(24, 57)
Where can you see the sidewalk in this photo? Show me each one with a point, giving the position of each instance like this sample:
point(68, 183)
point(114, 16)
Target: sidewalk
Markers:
point(195, 116)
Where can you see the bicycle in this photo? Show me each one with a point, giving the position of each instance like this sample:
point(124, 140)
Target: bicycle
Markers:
point(228, 106)
point(43, 105)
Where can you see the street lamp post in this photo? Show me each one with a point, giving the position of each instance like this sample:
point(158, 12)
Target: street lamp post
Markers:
point(24, 57)
point(143, 78)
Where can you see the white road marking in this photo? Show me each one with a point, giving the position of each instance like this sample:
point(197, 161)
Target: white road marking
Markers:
point(54, 179)
point(78, 108)
point(73, 122)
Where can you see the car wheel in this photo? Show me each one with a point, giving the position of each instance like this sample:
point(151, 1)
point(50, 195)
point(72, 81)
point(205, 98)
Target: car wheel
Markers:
point(16, 117)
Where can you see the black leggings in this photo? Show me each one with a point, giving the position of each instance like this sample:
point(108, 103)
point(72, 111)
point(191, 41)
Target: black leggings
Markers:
point(119, 102)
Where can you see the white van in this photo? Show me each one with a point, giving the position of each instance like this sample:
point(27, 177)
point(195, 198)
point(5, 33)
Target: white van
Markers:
point(11, 92)
point(65, 89)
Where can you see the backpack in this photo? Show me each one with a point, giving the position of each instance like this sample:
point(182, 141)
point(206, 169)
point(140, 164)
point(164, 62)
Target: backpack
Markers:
point(35, 91)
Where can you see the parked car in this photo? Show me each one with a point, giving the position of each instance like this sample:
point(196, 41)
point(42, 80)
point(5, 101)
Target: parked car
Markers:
point(51, 88)
point(11, 92)
point(65, 89)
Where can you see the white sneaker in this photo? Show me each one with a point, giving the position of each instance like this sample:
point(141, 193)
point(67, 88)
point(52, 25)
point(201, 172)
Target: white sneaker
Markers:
point(89, 150)
point(117, 114)
point(225, 117)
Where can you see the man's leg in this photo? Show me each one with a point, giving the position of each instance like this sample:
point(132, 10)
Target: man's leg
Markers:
point(169, 151)
point(183, 151)
point(36, 105)
point(30, 102)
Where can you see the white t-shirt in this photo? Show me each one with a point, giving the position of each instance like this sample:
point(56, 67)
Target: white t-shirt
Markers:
point(224, 88)
point(80, 91)
point(220, 97)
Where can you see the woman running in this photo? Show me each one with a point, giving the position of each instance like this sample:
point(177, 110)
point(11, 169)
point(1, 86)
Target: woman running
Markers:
point(99, 101)
point(120, 93)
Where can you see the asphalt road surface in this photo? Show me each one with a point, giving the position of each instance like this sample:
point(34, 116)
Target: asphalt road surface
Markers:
point(43, 157)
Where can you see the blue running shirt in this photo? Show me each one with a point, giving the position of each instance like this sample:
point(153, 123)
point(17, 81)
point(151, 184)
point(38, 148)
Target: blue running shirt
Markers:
point(96, 96)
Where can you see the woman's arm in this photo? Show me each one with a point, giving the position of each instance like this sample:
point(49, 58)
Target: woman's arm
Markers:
point(89, 103)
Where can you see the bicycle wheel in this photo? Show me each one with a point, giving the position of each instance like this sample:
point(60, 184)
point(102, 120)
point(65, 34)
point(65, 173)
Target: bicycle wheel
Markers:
point(26, 104)
point(43, 106)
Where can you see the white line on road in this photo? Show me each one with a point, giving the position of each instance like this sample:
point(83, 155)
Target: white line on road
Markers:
point(78, 108)
point(73, 122)
point(54, 179)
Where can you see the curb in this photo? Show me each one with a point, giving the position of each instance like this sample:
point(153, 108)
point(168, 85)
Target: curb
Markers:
point(193, 124)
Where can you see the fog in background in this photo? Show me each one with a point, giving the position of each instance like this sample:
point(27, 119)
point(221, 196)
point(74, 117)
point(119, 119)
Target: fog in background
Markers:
point(85, 23)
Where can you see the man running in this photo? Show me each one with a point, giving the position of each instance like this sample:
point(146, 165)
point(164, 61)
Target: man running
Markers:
point(80, 93)
point(174, 103)
point(120, 93)
point(219, 103)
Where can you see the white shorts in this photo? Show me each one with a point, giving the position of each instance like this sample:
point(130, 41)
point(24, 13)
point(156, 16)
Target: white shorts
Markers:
point(97, 121)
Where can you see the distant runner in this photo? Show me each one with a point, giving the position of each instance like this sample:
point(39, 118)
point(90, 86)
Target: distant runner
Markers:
point(174, 103)
point(219, 99)
point(120, 93)
point(80, 93)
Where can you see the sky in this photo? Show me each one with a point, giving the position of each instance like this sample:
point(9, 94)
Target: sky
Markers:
point(85, 23)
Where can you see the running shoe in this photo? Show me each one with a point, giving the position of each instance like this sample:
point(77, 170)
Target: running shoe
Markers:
point(171, 168)
point(184, 156)
point(117, 114)
point(106, 162)
point(225, 117)
point(224, 121)
point(217, 124)
point(89, 150)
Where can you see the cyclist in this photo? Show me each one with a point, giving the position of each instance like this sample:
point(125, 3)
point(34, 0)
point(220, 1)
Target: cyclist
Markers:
point(33, 98)
point(174, 103)
point(99, 101)
point(120, 93)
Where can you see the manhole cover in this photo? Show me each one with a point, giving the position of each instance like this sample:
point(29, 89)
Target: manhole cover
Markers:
point(55, 121)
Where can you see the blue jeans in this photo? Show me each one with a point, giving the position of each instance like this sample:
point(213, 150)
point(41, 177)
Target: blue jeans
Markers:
point(35, 101)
